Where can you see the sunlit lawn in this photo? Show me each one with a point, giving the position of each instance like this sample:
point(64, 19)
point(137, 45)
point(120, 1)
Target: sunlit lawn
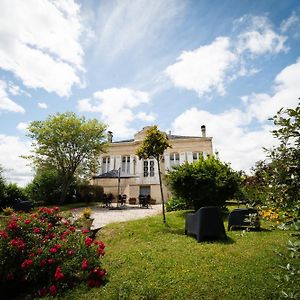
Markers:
point(148, 260)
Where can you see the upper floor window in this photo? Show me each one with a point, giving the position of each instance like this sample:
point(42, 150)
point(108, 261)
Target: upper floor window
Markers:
point(105, 164)
point(126, 164)
point(149, 168)
point(174, 159)
point(197, 155)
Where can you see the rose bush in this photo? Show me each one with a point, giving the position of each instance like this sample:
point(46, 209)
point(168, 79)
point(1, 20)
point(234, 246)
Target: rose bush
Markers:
point(43, 253)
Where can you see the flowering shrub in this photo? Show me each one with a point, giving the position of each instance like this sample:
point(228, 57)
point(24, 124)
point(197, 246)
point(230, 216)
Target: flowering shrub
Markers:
point(276, 215)
point(43, 253)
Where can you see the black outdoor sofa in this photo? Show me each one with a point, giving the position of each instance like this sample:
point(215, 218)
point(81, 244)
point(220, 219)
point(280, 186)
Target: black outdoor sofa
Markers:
point(205, 224)
point(243, 218)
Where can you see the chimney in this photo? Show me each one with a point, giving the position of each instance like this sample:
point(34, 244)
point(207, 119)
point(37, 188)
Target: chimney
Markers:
point(109, 136)
point(203, 131)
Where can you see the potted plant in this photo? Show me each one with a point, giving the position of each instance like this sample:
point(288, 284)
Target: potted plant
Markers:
point(85, 219)
point(132, 201)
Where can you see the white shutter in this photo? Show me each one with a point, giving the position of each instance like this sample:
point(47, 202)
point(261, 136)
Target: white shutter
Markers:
point(182, 158)
point(118, 162)
point(190, 157)
point(167, 162)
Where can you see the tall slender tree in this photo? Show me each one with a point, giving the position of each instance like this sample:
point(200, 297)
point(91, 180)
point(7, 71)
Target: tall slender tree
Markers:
point(154, 145)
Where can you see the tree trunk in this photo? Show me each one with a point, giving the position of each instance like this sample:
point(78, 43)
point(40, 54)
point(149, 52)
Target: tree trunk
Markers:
point(161, 192)
point(64, 189)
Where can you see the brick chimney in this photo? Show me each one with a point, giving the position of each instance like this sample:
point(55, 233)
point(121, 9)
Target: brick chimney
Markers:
point(109, 136)
point(203, 131)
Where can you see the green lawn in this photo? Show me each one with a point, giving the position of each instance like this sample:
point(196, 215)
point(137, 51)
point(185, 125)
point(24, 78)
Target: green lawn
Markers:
point(147, 260)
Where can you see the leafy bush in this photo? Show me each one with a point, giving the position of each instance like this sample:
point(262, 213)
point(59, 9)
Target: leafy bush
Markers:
point(43, 253)
point(174, 204)
point(11, 193)
point(204, 183)
point(45, 187)
point(90, 193)
point(289, 282)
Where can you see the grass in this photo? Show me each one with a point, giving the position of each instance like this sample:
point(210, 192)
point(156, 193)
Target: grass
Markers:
point(148, 260)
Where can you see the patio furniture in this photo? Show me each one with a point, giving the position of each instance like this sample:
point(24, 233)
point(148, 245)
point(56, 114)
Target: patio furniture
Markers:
point(206, 223)
point(107, 200)
point(243, 217)
point(21, 205)
point(144, 201)
point(121, 200)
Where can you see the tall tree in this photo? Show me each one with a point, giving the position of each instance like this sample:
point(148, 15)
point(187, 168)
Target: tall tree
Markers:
point(68, 144)
point(154, 145)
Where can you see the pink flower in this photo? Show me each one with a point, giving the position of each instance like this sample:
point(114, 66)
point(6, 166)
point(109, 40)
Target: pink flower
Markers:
point(53, 290)
point(88, 241)
point(58, 274)
point(50, 261)
point(84, 264)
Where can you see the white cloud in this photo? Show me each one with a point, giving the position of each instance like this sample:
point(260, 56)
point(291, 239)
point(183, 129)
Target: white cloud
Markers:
point(15, 168)
point(116, 106)
point(259, 36)
point(203, 69)
point(235, 144)
point(6, 104)
point(286, 94)
point(42, 105)
point(40, 43)
point(124, 25)
point(146, 117)
point(22, 126)
point(291, 21)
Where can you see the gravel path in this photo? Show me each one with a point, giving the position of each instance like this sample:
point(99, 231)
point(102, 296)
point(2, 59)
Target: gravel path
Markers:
point(103, 216)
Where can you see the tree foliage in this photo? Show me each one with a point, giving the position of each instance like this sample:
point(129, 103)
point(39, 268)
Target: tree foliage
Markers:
point(206, 182)
point(154, 145)
point(279, 175)
point(68, 144)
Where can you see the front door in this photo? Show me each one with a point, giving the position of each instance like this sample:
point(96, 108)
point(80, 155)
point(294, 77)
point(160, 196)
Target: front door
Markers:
point(145, 190)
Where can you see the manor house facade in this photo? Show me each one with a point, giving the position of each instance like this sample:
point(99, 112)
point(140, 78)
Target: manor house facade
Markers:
point(123, 173)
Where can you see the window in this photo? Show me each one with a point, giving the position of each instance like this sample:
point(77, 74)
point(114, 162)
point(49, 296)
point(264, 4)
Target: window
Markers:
point(197, 155)
point(105, 164)
point(126, 164)
point(174, 159)
point(149, 168)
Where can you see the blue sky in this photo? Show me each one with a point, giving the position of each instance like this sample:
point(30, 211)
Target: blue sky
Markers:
point(179, 64)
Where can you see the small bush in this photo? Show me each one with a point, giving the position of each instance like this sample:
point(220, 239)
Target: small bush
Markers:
point(11, 193)
point(43, 253)
point(175, 203)
point(90, 193)
point(7, 211)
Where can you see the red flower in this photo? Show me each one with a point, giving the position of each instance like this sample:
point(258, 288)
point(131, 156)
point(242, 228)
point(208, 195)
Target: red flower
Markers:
point(3, 234)
point(18, 243)
point(93, 283)
point(50, 261)
point(36, 230)
point(53, 290)
point(58, 274)
point(13, 225)
point(27, 221)
point(50, 225)
point(26, 263)
point(88, 241)
point(71, 252)
point(84, 231)
point(84, 264)
point(43, 263)
point(40, 251)
point(42, 292)
point(72, 228)
point(53, 250)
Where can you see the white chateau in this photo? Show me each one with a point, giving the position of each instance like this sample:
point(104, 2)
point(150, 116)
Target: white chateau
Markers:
point(140, 177)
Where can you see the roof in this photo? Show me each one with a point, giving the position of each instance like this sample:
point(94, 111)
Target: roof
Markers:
point(170, 137)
